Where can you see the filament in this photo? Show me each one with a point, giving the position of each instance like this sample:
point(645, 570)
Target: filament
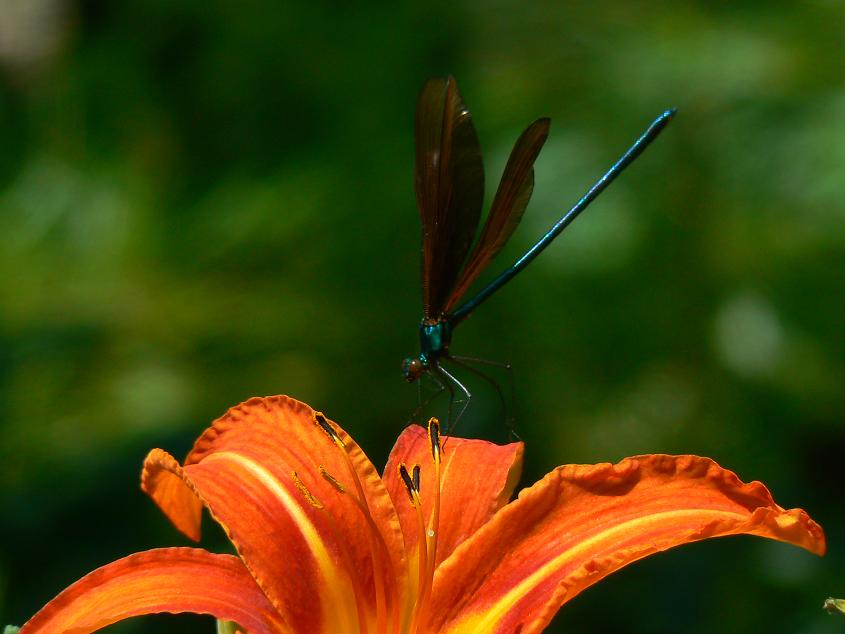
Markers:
point(382, 565)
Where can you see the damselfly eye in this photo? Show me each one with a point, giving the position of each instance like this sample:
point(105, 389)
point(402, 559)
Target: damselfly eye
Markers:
point(412, 368)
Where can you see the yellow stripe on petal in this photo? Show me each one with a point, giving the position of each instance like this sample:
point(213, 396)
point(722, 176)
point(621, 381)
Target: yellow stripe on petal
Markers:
point(581, 523)
point(587, 548)
point(336, 594)
point(164, 580)
point(303, 557)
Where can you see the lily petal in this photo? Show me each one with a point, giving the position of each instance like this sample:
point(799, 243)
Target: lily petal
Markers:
point(477, 478)
point(583, 522)
point(242, 468)
point(163, 481)
point(163, 580)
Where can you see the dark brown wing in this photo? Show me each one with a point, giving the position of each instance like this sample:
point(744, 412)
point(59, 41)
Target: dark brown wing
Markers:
point(512, 197)
point(449, 186)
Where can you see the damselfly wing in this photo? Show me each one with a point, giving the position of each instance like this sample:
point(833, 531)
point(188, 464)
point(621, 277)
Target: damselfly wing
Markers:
point(449, 181)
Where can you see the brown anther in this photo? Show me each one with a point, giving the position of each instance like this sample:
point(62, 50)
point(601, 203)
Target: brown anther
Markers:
point(434, 437)
point(413, 492)
point(320, 419)
point(416, 477)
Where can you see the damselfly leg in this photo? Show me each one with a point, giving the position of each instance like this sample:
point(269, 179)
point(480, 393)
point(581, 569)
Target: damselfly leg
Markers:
point(507, 404)
point(423, 402)
point(451, 382)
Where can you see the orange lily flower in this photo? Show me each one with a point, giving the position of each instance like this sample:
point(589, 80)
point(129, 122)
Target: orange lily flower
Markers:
point(326, 545)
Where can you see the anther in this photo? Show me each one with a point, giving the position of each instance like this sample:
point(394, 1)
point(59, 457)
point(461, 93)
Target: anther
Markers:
point(309, 497)
point(320, 419)
point(328, 477)
point(413, 492)
point(434, 437)
point(416, 477)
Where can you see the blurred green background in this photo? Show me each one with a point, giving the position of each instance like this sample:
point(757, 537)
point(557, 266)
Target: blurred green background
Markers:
point(202, 202)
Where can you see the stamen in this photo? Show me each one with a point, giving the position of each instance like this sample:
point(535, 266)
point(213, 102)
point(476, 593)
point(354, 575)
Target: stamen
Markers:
point(422, 546)
point(411, 485)
point(434, 522)
point(344, 551)
point(328, 477)
point(382, 564)
point(309, 497)
point(416, 477)
point(320, 420)
point(434, 437)
point(378, 553)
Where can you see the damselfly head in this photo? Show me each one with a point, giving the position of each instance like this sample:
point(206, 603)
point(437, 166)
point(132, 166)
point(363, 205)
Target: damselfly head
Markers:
point(412, 368)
